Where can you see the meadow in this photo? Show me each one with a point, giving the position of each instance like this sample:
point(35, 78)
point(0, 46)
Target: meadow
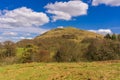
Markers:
point(104, 70)
point(72, 54)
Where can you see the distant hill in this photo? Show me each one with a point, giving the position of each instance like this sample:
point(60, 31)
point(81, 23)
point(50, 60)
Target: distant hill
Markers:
point(69, 33)
point(57, 37)
point(68, 45)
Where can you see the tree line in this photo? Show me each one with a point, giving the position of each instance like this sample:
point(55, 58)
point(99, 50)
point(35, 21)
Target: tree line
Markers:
point(61, 50)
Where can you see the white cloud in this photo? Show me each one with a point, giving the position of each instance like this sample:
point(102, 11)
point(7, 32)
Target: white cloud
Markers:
point(21, 22)
point(22, 17)
point(22, 37)
point(102, 31)
point(29, 38)
point(32, 30)
point(9, 34)
point(60, 27)
point(67, 10)
point(19, 33)
point(1, 39)
point(106, 2)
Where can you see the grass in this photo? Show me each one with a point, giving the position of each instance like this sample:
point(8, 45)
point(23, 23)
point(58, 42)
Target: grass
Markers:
point(80, 34)
point(108, 70)
point(20, 51)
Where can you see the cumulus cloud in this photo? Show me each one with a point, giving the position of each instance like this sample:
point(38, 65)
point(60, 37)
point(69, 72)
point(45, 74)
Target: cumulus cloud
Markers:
point(106, 2)
point(22, 17)
point(34, 30)
point(19, 33)
point(102, 31)
point(9, 34)
point(21, 23)
point(67, 10)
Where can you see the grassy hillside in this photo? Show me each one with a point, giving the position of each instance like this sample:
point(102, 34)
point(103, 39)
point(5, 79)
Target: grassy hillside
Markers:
point(71, 44)
point(109, 70)
point(57, 36)
point(69, 31)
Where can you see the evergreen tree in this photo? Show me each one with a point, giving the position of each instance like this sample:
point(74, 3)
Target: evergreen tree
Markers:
point(118, 37)
point(107, 36)
point(114, 37)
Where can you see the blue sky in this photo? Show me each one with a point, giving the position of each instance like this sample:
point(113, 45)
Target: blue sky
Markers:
point(20, 19)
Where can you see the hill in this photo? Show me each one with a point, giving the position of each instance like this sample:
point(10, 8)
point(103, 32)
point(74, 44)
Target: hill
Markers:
point(69, 33)
point(67, 38)
point(69, 45)
point(59, 34)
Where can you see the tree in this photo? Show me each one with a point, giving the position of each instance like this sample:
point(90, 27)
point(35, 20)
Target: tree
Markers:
point(1, 50)
point(28, 54)
point(9, 49)
point(24, 43)
point(114, 37)
point(1, 46)
point(118, 37)
point(115, 45)
point(70, 51)
point(107, 36)
point(102, 50)
point(42, 56)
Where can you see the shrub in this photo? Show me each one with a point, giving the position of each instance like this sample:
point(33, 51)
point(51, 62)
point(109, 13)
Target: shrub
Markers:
point(107, 36)
point(8, 60)
point(69, 36)
point(42, 56)
point(27, 55)
point(118, 37)
point(70, 51)
point(9, 49)
point(114, 37)
point(101, 50)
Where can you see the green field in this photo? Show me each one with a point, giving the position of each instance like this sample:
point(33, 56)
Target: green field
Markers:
point(108, 70)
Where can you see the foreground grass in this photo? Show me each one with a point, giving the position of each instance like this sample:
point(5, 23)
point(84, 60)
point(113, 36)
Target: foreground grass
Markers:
point(109, 70)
